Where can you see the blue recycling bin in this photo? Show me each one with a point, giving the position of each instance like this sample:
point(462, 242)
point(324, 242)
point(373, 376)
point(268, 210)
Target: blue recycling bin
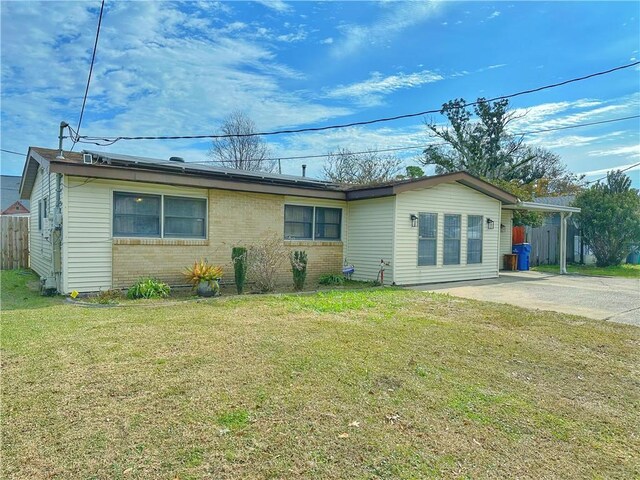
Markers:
point(524, 252)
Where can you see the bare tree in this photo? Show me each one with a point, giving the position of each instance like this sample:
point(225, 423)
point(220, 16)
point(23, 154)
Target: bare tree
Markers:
point(241, 150)
point(345, 166)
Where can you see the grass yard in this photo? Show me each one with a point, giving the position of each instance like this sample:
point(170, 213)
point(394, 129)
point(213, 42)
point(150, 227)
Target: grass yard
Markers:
point(626, 270)
point(378, 383)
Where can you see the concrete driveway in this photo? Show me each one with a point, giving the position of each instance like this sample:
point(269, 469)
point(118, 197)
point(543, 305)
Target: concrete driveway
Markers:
point(602, 298)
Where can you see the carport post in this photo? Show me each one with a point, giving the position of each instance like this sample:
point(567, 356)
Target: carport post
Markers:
point(563, 242)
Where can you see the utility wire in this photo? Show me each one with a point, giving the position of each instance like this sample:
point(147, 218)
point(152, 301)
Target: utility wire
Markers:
point(93, 59)
point(613, 169)
point(11, 151)
point(105, 141)
point(413, 147)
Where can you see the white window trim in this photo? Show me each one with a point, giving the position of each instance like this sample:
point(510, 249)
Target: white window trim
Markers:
point(161, 195)
point(459, 264)
point(435, 265)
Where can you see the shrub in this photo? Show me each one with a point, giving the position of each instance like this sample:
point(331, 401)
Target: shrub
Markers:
point(239, 258)
point(148, 288)
point(298, 268)
point(106, 297)
point(265, 259)
point(331, 279)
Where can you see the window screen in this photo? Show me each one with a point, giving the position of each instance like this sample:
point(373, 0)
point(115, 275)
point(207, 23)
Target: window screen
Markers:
point(136, 215)
point(474, 239)
point(298, 222)
point(427, 238)
point(185, 217)
point(328, 223)
point(451, 240)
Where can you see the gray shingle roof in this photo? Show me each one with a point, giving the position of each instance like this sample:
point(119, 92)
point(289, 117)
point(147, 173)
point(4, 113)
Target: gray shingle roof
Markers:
point(9, 191)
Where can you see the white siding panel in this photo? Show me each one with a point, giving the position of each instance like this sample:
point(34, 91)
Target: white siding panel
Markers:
point(505, 235)
point(88, 241)
point(370, 234)
point(40, 243)
point(450, 198)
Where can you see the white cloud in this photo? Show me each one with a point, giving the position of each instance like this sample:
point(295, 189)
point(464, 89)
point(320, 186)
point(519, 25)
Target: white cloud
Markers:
point(495, 14)
point(396, 17)
point(327, 41)
point(277, 5)
point(631, 151)
point(370, 91)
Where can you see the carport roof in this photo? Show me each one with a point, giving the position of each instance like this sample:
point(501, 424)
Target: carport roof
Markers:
point(542, 207)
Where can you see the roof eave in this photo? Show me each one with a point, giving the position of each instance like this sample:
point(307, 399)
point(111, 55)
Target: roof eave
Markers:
point(542, 207)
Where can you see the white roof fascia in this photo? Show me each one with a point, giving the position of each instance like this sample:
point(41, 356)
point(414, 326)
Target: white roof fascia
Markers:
point(541, 207)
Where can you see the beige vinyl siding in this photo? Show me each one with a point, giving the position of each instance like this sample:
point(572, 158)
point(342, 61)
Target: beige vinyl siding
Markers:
point(88, 240)
point(370, 233)
point(449, 198)
point(40, 240)
point(506, 219)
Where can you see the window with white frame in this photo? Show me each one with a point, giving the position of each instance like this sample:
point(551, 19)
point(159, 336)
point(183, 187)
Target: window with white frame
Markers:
point(427, 238)
point(157, 216)
point(312, 223)
point(451, 244)
point(474, 238)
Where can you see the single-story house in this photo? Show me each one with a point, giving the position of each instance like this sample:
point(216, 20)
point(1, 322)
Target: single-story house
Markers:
point(10, 203)
point(102, 220)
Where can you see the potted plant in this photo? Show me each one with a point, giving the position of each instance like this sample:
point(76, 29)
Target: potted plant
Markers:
point(204, 277)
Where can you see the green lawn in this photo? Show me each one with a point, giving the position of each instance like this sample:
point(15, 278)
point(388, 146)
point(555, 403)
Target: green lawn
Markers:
point(629, 271)
point(378, 383)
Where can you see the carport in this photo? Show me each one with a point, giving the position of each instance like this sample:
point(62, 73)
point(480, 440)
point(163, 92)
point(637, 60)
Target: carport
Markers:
point(565, 214)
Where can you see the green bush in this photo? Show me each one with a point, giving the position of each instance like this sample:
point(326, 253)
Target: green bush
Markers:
point(239, 258)
point(331, 279)
point(148, 288)
point(299, 268)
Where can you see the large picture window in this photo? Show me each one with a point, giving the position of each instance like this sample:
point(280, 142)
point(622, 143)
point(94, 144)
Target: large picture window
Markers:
point(158, 216)
point(185, 217)
point(474, 239)
point(136, 215)
point(451, 240)
point(427, 238)
point(312, 223)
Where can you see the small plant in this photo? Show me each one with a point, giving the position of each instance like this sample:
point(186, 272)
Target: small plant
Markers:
point(331, 279)
point(204, 277)
point(239, 258)
point(106, 297)
point(148, 288)
point(298, 268)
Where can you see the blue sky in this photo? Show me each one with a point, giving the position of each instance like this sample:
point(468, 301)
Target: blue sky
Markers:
point(165, 68)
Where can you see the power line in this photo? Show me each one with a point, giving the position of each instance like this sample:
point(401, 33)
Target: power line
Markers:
point(413, 147)
point(11, 151)
point(613, 169)
point(105, 141)
point(93, 59)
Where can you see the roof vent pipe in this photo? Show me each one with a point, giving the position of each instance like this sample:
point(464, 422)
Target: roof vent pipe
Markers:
point(304, 170)
point(176, 159)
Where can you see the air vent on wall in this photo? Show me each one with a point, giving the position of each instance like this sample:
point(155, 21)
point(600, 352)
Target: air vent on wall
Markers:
point(87, 158)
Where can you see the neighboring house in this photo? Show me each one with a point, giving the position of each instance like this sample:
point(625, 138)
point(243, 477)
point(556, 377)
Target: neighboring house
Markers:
point(102, 220)
point(10, 203)
point(545, 240)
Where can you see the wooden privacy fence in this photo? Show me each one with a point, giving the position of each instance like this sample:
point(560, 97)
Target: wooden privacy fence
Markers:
point(14, 242)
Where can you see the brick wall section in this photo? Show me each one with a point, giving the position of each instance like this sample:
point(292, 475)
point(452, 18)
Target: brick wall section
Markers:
point(235, 218)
